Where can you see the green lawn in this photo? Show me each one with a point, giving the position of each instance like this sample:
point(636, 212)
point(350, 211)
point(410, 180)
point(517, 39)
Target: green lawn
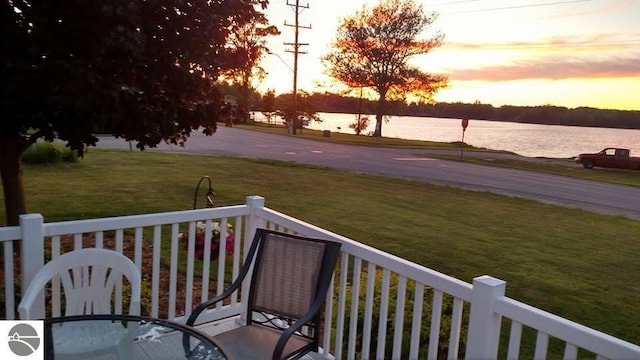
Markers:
point(576, 264)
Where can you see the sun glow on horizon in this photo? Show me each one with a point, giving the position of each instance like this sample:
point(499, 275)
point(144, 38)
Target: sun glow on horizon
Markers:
point(583, 54)
point(585, 93)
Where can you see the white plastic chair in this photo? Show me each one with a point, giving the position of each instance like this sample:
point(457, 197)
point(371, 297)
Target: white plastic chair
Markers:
point(88, 278)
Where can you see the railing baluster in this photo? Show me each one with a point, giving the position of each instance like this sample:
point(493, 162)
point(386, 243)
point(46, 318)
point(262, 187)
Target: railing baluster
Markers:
point(173, 272)
point(456, 324)
point(355, 296)
point(328, 317)
point(384, 308)
point(542, 343)
point(138, 248)
point(237, 239)
point(436, 320)
point(206, 262)
point(368, 311)
point(515, 337)
point(222, 246)
point(570, 352)
point(342, 299)
point(99, 239)
point(120, 249)
point(399, 323)
point(155, 273)
point(55, 282)
point(77, 241)
point(190, 264)
point(120, 241)
point(416, 323)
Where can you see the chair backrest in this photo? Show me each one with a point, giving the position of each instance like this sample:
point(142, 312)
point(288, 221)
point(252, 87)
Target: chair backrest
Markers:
point(290, 273)
point(88, 278)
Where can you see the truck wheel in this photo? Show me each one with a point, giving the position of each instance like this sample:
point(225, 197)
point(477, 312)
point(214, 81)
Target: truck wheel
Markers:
point(588, 164)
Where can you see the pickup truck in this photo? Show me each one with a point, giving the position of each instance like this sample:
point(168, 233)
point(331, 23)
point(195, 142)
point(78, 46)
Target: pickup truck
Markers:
point(610, 158)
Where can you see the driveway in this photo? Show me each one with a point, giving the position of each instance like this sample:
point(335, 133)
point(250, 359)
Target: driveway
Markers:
point(594, 196)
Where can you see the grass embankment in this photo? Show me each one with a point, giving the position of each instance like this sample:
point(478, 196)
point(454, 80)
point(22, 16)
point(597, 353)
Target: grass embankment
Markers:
point(352, 139)
point(576, 264)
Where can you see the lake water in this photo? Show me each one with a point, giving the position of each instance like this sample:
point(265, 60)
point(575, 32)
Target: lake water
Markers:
point(534, 140)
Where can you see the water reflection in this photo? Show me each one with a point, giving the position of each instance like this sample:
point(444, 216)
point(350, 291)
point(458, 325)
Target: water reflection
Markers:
point(525, 139)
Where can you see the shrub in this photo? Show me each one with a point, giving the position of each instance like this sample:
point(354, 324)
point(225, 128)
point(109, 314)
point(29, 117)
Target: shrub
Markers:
point(360, 124)
point(48, 153)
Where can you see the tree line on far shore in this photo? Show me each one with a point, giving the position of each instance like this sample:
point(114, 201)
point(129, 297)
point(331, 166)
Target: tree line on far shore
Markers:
point(543, 114)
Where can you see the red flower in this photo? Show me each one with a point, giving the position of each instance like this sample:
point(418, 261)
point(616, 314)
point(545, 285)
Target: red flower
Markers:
point(230, 244)
point(215, 242)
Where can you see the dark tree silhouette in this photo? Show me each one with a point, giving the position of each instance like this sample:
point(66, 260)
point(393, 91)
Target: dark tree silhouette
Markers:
point(373, 49)
point(247, 44)
point(268, 105)
point(141, 70)
point(306, 107)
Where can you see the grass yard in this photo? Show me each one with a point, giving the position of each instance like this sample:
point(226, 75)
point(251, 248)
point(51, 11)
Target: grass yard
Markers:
point(576, 264)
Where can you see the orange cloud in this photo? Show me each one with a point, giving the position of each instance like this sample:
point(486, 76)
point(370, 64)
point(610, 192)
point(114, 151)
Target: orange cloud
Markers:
point(559, 43)
point(552, 68)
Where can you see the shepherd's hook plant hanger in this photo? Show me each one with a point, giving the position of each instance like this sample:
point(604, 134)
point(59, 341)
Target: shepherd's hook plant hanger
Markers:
point(208, 196)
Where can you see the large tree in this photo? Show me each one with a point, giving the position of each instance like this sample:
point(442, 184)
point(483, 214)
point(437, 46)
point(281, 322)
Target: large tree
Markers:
point(305, 108)
point(247, 44)
point(373, 49)
point(141, 70)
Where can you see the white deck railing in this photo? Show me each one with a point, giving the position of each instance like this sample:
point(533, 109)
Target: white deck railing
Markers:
point(381, 306)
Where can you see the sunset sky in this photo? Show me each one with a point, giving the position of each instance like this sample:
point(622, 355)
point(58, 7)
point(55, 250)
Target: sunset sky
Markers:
point(501, 52)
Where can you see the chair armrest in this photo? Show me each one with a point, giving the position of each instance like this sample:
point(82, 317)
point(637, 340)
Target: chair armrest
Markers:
point(203, 306)
point(199, 309)
point(29, 297)
point(24, 308)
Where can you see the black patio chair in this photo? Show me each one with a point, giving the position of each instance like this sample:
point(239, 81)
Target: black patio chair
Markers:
point(290, 279)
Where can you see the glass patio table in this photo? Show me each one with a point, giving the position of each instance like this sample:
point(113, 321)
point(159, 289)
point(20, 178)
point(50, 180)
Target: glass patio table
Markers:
point(125, 336)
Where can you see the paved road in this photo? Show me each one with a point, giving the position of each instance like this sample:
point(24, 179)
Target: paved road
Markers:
point(408, 164)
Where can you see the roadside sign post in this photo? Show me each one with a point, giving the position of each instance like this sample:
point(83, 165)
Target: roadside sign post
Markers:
point(465, 123)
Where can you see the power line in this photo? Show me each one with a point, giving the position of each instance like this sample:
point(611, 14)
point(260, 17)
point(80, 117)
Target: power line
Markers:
point(454, 2)
point(573, 45)
point(511, 7)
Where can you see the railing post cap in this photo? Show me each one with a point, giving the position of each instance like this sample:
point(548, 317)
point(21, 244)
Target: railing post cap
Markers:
point(489, 280)
point(25, 217)
point(255, 198)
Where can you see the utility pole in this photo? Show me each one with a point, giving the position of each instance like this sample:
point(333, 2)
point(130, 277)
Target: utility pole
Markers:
point(296, 50)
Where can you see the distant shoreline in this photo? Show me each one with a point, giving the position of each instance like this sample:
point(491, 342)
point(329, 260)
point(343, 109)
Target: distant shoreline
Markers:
point(543, 114)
